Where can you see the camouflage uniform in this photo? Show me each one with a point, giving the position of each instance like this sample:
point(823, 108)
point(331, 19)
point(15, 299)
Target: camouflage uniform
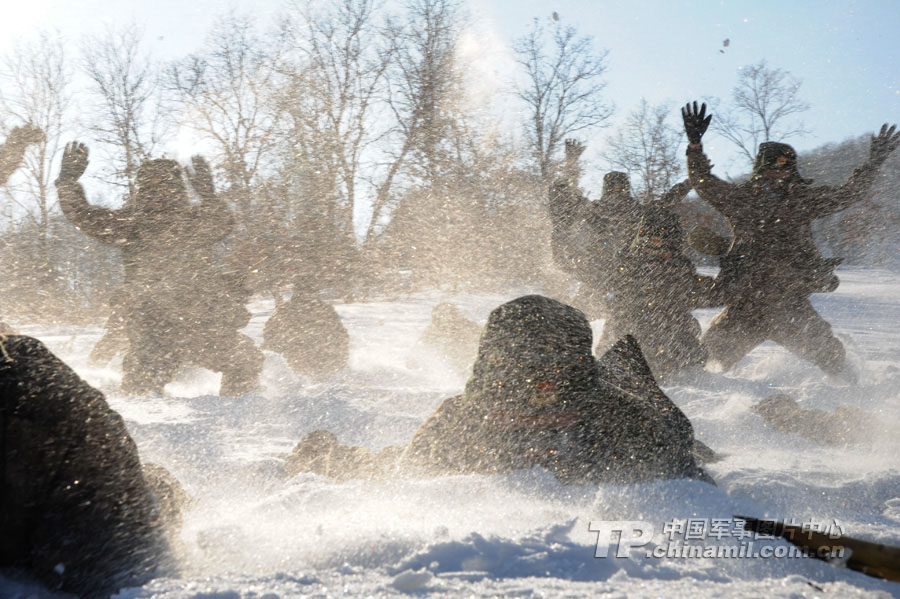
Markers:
point(642, 290)
point(75, 509)
point(845, 425)
point(179, 308)
point(586, 236)
point(309, 333)
point(652, 292)
point(773, 265)
point(454, 335)
point(537, 397)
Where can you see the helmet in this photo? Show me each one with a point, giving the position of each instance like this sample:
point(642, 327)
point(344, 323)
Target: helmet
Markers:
point(776, 157)
point(160, 183)
point(159, 171)
point(616, 182)
point(533, 350)
point(660, 231)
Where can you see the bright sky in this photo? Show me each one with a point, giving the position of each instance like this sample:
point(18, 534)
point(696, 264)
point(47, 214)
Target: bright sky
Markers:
point(847, 52)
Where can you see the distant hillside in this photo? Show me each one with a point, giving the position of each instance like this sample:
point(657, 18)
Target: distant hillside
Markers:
point(868, 233)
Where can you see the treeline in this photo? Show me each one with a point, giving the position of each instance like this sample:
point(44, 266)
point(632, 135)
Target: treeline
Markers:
point(364, 152)
point(345, 138)
point(867, 233)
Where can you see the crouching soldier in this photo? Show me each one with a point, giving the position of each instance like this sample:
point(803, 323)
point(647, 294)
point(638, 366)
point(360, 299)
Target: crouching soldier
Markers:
point(652, 292)
point(309, 333)
point(454, 335)
point(537, 397)
point(844, 426)
point(77, 512)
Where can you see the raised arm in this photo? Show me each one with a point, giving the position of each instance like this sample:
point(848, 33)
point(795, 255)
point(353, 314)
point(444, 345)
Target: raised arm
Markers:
point(566, 201)
point(571, 168)
point(676, 194)
point(12, 152)
point(708, 186)
point(822, 201)
point(100, 223)
point(217, 219)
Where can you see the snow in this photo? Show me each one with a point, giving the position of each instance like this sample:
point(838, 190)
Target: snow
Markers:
point(252, 533)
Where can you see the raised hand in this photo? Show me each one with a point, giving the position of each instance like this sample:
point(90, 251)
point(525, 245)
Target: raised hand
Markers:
point(574, 150)
point(201, 177)
point(570, 172)
point(884, 143)
point(695, 121)
point(27, 134)
point(74, 161)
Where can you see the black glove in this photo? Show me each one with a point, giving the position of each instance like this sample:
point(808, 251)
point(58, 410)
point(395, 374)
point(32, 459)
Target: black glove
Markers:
point(74, 162)
point(695, 121)
point(883, 144)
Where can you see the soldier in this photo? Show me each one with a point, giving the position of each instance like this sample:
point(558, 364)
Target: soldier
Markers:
point(76, 510)
point(586, 236)
point(454, 335)
point(773, 265)
point(179, 308)
point(634, 257)
point(11, 155)
point(309, 333)
point(844, 426)
point(652, 292)
point(537, 397)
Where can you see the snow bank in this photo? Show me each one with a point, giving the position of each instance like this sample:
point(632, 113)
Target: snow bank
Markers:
point(252, 532)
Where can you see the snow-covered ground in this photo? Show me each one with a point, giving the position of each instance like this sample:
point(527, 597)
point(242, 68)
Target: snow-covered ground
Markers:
point(253, 533)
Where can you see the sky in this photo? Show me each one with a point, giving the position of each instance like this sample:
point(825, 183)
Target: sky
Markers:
point(847, 53)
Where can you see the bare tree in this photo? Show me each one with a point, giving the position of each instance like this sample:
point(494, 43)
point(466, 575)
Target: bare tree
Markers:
point(226, 95)
point(646, 147)
point(761, 109)
point(36, 84)
point(563, 89)
point(459, 177)
point(127, 116)
point(36, 90)
point(424, 84)
point(337, 81)
point(49, 269)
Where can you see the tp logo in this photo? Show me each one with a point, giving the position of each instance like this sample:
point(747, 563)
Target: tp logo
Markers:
point(632, 533)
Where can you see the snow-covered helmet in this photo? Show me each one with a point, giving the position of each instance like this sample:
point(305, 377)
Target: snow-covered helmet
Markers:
point(161, 181)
